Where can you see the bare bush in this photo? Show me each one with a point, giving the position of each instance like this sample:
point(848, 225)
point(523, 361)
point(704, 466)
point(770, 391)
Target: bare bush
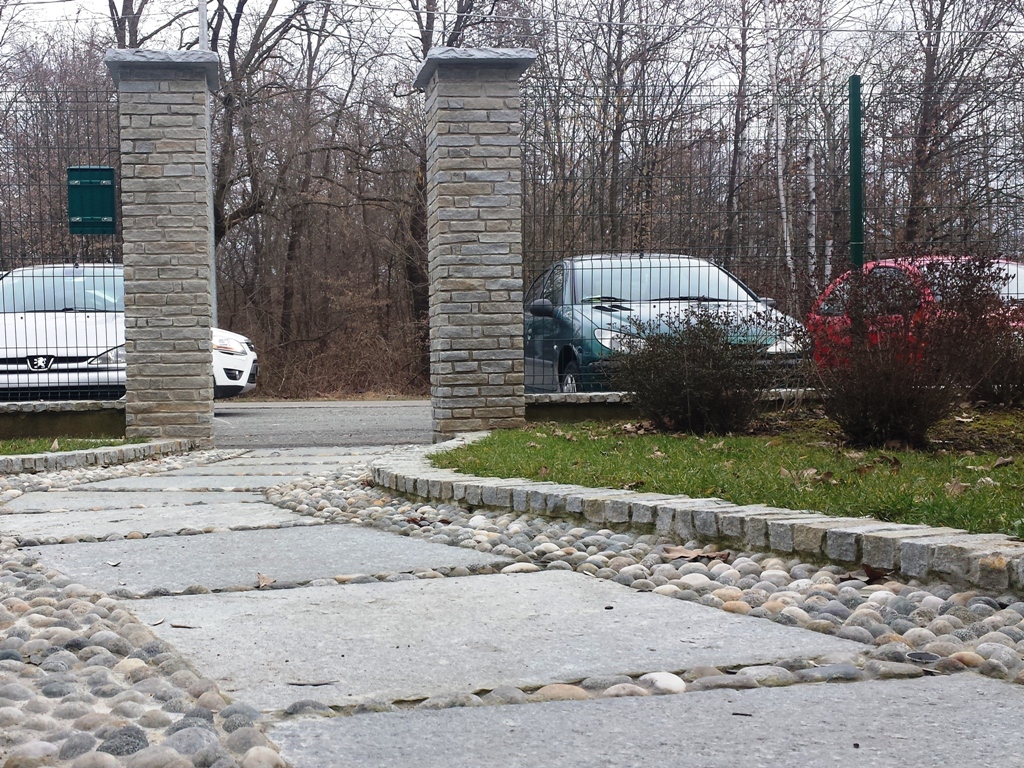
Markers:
point(700, 371)
point(909, 348)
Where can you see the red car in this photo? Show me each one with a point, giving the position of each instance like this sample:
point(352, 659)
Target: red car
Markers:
point(894, 291)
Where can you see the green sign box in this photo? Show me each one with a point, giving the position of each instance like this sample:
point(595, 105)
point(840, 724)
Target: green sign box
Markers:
point(92, 200)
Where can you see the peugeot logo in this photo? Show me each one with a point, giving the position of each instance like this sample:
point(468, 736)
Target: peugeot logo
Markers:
point(40, 362)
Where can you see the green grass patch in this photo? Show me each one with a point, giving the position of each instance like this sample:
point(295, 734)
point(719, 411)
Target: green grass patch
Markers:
point(795, 462)
point(46, 444)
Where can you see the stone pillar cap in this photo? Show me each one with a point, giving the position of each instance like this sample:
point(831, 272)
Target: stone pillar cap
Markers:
point(208, 62)
point(516, 59)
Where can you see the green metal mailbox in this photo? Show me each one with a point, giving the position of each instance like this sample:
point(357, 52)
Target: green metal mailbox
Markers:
point(92, 200)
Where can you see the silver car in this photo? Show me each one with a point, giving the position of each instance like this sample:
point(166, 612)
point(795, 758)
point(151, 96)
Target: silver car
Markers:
point(62, 337)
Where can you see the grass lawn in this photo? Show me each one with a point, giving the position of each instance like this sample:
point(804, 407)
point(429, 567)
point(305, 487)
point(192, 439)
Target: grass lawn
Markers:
point(972, 477)
point(45, 444)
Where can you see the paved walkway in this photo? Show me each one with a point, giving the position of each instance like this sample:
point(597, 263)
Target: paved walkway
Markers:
point(320, 630)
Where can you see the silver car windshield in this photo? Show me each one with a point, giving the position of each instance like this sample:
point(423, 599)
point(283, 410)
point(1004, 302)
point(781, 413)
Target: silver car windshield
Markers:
point(62, 290)
point(633, 281)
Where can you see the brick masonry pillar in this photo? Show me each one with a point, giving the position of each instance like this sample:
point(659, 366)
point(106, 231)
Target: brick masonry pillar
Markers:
point(474, 234)
point(166, 225)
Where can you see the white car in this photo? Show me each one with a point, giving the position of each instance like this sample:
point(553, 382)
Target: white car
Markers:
point(62, 337)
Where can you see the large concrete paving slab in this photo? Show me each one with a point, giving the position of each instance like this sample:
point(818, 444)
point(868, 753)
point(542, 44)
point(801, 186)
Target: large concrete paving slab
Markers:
point(103, 522)
point(222, 560)
point(410, 640)
point(964, 720)
point(161, 483)
point(274, 463)
point(83, 499)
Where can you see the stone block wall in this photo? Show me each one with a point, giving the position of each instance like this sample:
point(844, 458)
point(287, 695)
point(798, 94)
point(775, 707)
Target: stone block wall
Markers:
point(474, 210)
point(167, 232)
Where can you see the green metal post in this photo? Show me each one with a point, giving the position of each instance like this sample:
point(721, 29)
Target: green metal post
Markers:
point(856, 177)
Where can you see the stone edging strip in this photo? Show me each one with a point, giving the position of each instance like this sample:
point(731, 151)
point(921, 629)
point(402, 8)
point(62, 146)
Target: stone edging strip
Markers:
point(62, 406)
point(32, 463)
point(986, 561)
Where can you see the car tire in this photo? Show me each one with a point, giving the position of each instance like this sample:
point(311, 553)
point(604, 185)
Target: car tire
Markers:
point(569, 378)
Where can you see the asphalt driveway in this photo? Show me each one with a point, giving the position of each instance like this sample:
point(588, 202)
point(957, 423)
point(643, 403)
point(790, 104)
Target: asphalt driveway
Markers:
point(245, 424)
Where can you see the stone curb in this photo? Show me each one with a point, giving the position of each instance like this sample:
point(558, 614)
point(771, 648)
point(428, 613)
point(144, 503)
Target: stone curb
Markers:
point(991, 562)
point(32, 463)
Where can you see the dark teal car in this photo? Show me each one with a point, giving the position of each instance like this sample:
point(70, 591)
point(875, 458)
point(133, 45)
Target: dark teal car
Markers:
point(578, 311)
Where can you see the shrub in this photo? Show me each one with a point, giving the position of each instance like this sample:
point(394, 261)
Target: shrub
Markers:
point(903, 364)
point(699, 371)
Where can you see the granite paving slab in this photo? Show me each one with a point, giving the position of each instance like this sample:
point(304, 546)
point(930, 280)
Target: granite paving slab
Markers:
point(222, 560)
point(101, 523)
point(161, 483)
point(83, 499)
point(963, 720)
point(414, 639)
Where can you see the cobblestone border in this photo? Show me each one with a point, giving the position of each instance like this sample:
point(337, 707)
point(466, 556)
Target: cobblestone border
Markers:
point(32, 463)
point(625, 398)
point(986, 561)
point(62, 406)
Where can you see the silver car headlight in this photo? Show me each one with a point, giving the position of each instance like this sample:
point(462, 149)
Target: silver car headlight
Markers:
point(615, 341)
point(787, 345)
point(110, 358)
point(228, 345)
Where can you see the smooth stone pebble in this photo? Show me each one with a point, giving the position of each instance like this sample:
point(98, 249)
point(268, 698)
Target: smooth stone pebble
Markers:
point(124, 741)
point(892, 670)
point(771, 677)
point(96, 760)
point(662, 682)
point(235, 722)
point(77, 744)
point(623, 690)
point(262, 757)
point(244, 739)
point(450, 701)
point(504, 694)
point(601, 683)
point(722, 682)
point(559, 692)
point(156, 757)
point(188, 741)
point(830, 673)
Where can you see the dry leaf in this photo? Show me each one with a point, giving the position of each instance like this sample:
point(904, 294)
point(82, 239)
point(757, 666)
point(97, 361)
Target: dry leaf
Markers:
point(955, 488)
point(543, 472)
point(1003, 461)
point(783, 472)
point(682, 553)
point(157, 623)
point(854, 455)
point(533, 445)
point(719, 444)
point(657, 454)
point(183, 626)
point(263, 581)
point(113, 563)
point(55, 446)
point(863, 469)
point(986, 482)
point(963, 419)
point(633, 485)
point(312, 685)
point(773, 443)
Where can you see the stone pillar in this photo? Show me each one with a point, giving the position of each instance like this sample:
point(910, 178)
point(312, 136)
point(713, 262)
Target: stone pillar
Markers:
point(474, 233)
point(166, 205)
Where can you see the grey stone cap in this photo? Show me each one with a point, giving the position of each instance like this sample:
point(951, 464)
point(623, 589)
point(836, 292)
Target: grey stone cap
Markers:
point(516, 59)
point(118, 59)
point(991, 562)
point(32, 463)
point(62, 406)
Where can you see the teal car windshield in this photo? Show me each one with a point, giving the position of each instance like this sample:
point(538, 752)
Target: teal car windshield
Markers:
point(654, 280)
